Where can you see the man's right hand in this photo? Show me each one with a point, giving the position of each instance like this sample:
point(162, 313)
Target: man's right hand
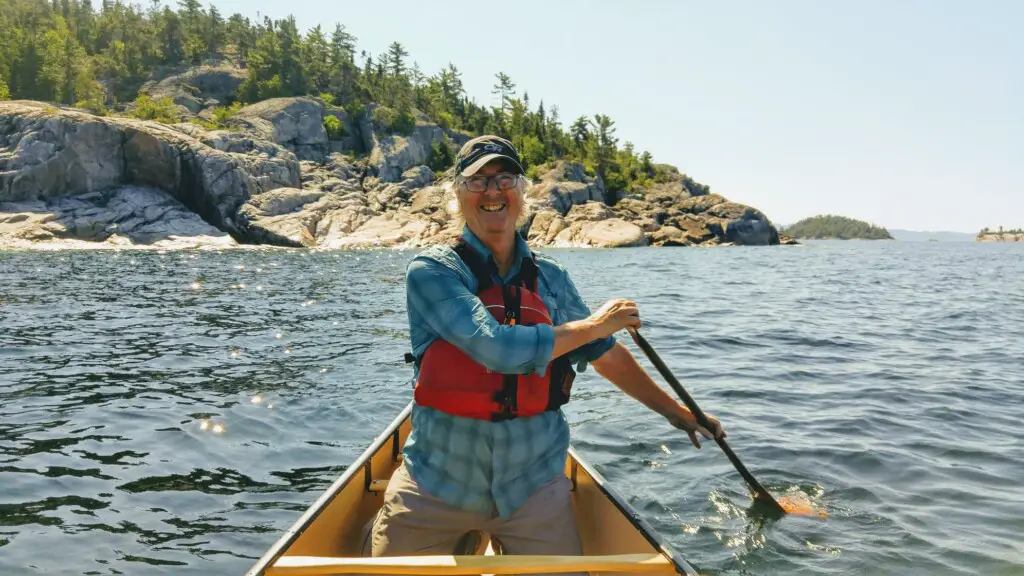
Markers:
point(615, 315)
point(611, 317)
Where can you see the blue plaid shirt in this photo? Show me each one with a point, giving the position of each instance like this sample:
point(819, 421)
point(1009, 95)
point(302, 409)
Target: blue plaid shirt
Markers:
point(479, 465)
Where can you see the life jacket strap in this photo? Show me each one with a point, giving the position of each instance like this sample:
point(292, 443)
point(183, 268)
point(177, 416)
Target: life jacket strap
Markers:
point(508, 397)
point(527, 276)
point(475, 263)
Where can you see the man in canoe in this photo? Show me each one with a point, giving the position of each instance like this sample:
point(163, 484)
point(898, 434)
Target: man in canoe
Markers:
point(496, 331)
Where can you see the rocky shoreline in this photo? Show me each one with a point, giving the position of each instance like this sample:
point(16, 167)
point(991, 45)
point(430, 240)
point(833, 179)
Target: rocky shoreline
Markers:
point(1011, 236)
point(70, 179)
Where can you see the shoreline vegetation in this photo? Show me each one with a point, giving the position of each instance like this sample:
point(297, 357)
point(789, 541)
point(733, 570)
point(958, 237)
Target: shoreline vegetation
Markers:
point(109, 61)
point(832, 227)
point(1000, 235)
point(323, 144)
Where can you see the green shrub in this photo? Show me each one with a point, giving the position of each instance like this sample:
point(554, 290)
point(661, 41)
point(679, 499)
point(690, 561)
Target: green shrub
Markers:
point(532, 151)
point(445, 120)
point(327, 98)
point(204, 123)
point(441, 156)
point(335, 129)
point(355, 109)
point(615, 181)
point(384, 117)
point(161, 110)
point(392, 120)
point(404, 122)
point(92, 105)
point(221, 114)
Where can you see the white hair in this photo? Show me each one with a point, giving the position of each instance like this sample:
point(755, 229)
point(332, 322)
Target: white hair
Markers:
point(454, 208)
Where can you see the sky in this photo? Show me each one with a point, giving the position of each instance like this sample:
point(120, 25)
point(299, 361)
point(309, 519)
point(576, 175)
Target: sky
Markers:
point(906, 114)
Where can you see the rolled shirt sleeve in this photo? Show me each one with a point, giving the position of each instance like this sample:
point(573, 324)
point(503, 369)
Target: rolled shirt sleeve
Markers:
point(574, 308)
point(442, 299)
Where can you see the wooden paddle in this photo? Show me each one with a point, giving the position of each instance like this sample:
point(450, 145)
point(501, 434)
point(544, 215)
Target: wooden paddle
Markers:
point(760, 494)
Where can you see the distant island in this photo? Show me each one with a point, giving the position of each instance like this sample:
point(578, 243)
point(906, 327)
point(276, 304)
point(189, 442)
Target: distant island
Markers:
point(829, 226)
point(999, 235)
point(931, 235)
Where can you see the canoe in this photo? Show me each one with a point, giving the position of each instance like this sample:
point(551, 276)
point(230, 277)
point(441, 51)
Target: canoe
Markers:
point(327, 538)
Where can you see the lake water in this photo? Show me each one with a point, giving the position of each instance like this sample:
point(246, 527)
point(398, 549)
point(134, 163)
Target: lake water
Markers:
point(882, 380)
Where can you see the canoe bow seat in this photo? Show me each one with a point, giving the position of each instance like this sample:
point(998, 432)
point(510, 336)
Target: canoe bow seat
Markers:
point(469, 565)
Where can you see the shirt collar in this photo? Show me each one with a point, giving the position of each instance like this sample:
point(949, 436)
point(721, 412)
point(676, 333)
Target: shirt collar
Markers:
point(522, 251)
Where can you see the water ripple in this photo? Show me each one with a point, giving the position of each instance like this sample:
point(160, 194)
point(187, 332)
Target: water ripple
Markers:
point(173, 413)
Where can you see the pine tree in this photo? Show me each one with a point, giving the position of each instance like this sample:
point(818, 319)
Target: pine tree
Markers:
point(216, 32)
point(580, 131)
point(192, 16)
point(396, 59)
point(647, 164)
point(603, 151)
point(315, 60)
point(191, 11)
point(505, 89)
point(172, 36)
point(84, 23)
point(264, 79)
point(238, 31)
point(65, 70)
point(293, 81)
point(343, 45)
point(396, 84)
point(416, 76)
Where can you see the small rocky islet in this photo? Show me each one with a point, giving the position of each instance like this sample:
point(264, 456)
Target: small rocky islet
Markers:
point(1000, 235)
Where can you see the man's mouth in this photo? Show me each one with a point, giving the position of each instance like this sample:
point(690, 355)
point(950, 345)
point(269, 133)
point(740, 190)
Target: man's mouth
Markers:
point(493, 207)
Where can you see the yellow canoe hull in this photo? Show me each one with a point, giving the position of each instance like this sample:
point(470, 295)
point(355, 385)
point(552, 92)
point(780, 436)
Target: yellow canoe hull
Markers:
point(328, 537)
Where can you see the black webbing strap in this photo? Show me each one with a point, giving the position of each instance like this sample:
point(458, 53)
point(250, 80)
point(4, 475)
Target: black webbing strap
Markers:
point(475, 263)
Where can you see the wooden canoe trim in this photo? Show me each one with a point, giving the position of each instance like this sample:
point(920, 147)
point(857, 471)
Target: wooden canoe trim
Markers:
point(469, 565)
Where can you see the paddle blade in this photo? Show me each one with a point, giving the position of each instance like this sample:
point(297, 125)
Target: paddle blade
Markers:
point(800, 506)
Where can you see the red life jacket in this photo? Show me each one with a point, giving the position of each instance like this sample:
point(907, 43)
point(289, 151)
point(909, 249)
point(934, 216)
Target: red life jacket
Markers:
point(451, 381)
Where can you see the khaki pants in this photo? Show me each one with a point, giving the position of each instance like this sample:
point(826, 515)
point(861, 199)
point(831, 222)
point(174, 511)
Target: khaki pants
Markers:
point(412, 522)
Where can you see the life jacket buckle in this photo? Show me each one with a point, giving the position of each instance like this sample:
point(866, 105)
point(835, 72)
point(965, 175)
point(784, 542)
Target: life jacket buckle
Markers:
point(503, 416)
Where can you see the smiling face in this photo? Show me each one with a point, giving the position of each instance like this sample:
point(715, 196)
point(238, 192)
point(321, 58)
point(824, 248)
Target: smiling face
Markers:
point(492, 213)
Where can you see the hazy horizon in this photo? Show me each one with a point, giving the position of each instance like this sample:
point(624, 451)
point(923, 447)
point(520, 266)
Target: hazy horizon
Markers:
point(904, 115)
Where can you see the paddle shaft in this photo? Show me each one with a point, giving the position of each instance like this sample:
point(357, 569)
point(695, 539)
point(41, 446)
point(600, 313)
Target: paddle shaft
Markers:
point(759, 492)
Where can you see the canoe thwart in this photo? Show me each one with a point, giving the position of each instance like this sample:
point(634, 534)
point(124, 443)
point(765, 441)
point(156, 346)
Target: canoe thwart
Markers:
point(468, 565)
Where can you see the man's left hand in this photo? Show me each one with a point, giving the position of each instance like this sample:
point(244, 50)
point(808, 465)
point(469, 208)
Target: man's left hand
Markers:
point(685, 421)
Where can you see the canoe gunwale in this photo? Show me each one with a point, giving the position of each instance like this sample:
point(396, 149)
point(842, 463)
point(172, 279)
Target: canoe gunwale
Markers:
point(652, 536)
point(320, 504)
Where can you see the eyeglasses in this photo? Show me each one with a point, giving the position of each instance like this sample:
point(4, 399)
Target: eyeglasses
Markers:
point(503, 181)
